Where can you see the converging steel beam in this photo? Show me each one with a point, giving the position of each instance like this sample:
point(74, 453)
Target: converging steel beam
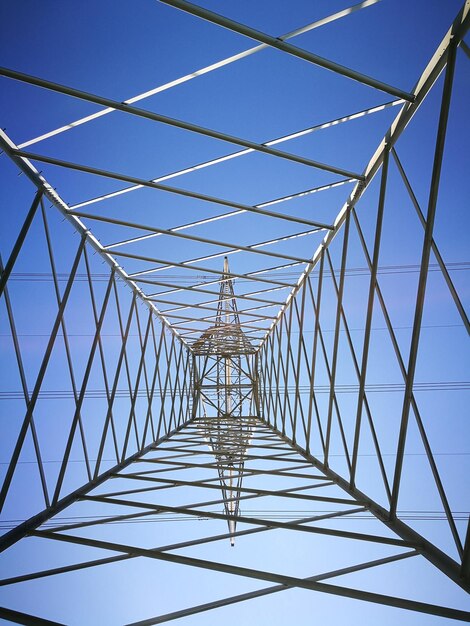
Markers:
point(433, 554)
point(26, 528)
point(38, 180)
point(39, 380)
point(282, 579)
point(428, 78)
point(198, 268)
point(435, 249)
point(208, 606)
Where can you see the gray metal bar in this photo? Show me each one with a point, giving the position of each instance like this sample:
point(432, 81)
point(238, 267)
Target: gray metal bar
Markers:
point(81, 397)
point(263, 575)
point(286, 47)
point(170, 233)
point(370, 309)
point(156, 117)
point(102, 357)
point(24, 385)
point(65, 337)
point(336, 336)
point(262, 522)
point(300, 349)
point(147, 183)
point(132, 421)
point(328, 369)
point(40, 377)
point(465, 569)
point(151, 393)
point(136, 387)
point(247, 296)
point(124, 557)
point(146, 379)
point(121, 359)
point(267, 591)
point(435, 249)
point(19, 617)
point(414, 404)
point(432, 553)
point(465, 48)
point(198, 268)
point(19, 241)
point(432, 203)
point(205, 70)
point(358, 374)
point(312, 398)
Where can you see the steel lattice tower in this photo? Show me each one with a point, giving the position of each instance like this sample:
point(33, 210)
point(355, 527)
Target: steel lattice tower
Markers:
point(226, 374)
point(159, 408)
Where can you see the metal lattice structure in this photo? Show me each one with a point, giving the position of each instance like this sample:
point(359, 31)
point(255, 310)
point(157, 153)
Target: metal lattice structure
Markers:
point(191, 396)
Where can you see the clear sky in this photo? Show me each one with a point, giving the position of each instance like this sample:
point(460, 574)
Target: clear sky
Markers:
point(120, 49)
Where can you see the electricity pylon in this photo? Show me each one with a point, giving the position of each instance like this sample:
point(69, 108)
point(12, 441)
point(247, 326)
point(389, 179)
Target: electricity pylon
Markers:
point(290, 415)
point(226, 392)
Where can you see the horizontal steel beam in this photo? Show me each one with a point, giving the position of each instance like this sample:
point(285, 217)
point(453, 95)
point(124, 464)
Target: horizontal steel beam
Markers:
point(151, 235)
point(154, 297)
point(289, 581)
point(156, 117)
point(164, 231)
point(251, 595)
point(205, 70)
point(234, 155)
point(146, 183)
point(288, 48)
point(198, 268)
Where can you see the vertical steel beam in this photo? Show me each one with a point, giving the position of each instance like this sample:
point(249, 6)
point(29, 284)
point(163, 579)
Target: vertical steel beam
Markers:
point(334, 362)
point(19, 242)
point(435, 249)
point(286, 370)
point(358, 374)
point(370, 309)
point(414, 404)
point(124, 337)
point(65, 336)
point(428, 235)
point(312, 398)
point(135, 392)
point(86, 376)
point(40, 377)
point(24, 384)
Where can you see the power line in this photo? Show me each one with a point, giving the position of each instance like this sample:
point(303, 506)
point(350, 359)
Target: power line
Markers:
point(269, 514)
point(98, 394)
point(203, 456)
point(352, 271)
point(327, 330)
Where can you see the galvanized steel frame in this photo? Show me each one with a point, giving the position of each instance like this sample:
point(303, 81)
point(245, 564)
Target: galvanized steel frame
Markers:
point(283, 418)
